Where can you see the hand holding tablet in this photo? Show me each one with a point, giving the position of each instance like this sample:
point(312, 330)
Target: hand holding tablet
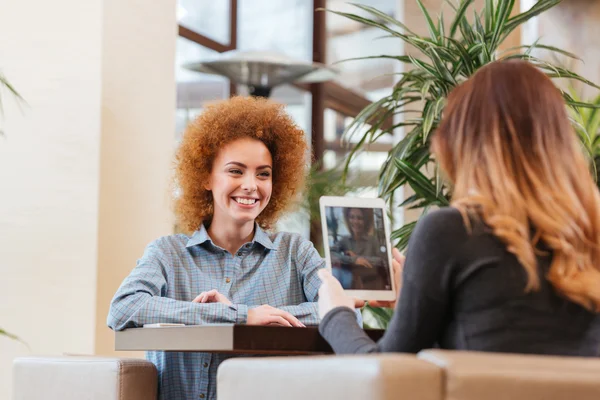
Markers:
point(357, 246)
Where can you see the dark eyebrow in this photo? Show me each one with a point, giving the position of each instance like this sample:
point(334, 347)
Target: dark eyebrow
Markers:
point(239, 164)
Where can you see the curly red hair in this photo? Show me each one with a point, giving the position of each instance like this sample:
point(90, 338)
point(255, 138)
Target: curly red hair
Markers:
point(226, 121)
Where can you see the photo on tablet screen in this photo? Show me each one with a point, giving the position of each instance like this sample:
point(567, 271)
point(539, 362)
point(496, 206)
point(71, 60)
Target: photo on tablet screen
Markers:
point(358, 247)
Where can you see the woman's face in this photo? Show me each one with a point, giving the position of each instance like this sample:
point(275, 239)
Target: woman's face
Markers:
point(357, 221)
point(241, 181)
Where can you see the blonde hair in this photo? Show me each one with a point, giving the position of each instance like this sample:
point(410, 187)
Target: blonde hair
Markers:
point(507, 145)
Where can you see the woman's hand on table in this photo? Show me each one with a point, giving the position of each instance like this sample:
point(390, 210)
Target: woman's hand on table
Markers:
point(263, 315)
point(397, 265)
point(267, 315)
point(212, 296)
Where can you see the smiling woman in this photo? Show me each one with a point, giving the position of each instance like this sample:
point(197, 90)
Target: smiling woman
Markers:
point(241, 164)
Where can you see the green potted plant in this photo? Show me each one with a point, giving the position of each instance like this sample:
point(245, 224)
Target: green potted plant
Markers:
point(445, 58)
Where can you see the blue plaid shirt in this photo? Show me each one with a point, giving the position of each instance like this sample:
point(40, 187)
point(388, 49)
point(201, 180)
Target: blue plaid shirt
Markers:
point(278, 269)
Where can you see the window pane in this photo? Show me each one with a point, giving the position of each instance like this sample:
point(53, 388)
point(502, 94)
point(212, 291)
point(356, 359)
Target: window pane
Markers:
point(349, 39)
point(284, 26)
point(365, 166)
point(209, 18)
point(193, 88)
point(298, 106)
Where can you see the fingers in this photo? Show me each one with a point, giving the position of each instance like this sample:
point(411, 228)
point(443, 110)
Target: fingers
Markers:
point(398, 257)
point(381, 304)
point(278, 320)
point(206, 297)
point(267, 315)
point(358, 303)
point(289, 317)
point(197, 298)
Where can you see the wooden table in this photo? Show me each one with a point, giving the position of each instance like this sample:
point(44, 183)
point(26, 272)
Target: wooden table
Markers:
point(228, 338)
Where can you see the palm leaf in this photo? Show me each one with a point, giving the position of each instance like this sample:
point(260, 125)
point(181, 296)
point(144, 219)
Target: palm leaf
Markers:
point(402, 235)
point(12, 336)
point(536, 45)
point(539, 7)
point(421, 184)
point(383, 16)
point(433, 32)
point(459, 17)
point(6, 84)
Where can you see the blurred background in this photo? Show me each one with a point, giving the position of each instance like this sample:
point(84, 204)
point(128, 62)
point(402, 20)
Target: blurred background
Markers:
point(86, 156)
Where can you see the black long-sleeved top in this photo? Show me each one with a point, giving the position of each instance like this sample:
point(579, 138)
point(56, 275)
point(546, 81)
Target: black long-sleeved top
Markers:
point(465, 291)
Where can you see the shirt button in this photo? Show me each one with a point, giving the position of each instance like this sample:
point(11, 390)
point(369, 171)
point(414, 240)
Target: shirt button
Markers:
point(205, 365)
point(240, 254)
point(201, 395)
point(227, 280)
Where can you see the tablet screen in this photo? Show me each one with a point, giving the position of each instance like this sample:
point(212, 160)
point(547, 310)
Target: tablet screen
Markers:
point(358, 247)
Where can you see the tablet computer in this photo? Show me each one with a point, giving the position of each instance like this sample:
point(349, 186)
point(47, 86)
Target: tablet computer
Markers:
point(357, 244)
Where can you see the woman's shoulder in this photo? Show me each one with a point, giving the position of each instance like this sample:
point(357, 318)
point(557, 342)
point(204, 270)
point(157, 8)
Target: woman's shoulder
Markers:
point(449, 230)
point(286, 238)
point(444, 220)
point(170, 243)
point(444, 227)
point(290, 242)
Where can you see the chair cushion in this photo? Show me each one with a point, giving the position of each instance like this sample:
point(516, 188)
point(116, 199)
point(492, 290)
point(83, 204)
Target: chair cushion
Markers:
point(76, 378)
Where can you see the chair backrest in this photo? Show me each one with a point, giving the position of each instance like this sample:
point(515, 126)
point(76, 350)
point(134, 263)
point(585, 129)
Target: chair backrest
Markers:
point(493, 376)
point(377, 377)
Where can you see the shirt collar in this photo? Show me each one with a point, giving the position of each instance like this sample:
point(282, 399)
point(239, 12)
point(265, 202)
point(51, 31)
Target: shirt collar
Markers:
point(198, 237)
point(260, 236)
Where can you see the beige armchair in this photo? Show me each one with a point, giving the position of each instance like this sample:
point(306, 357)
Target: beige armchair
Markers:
point(89, 378)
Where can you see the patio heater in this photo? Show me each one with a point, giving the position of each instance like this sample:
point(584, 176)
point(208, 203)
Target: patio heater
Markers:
point(261, 71)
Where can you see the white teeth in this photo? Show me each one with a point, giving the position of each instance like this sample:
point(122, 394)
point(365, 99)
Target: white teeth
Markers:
point(245, 201)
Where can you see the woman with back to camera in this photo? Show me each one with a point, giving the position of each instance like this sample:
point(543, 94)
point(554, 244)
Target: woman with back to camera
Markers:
point(240, 165)
point(514, 264)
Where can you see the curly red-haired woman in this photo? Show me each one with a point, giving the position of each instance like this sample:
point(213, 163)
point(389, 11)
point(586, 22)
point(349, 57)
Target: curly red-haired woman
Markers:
point(240, 166)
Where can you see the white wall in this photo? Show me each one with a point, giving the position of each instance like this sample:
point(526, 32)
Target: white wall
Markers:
point(49, 177)
point(76, 173)
point(138, 139)
point(573, 26)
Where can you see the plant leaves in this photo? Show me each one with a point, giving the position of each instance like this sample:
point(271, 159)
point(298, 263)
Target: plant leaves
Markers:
point(433, 32)
point(459, 17)
point(383, 16)
point(421, 184)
